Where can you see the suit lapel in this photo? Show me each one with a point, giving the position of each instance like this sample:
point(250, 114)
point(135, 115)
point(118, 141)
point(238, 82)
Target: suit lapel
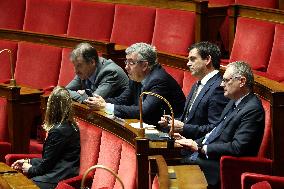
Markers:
point(233, 114)
point(203, 91)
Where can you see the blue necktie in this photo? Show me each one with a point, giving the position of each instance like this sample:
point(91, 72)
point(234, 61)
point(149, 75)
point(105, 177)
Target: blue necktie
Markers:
point(213, 134)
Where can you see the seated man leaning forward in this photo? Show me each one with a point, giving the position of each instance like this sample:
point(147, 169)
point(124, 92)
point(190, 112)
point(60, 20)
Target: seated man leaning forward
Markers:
point(145, 74)
point(239, 131)
point(95, 75)
point(206, 100)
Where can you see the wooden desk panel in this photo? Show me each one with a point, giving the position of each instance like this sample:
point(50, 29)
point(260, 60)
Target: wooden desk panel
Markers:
point(13, 179)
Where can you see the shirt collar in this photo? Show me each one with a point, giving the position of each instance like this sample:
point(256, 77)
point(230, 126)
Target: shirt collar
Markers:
point(237, 102)
point(209, 76)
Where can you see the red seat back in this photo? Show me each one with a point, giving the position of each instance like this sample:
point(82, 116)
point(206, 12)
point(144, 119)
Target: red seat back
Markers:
point(67, 71)
point(90, 140)
point(276, 66)
point(265, 146)
point(259, 3)
point(92, 20)
point(4, 133)
point(177, 74)
point(248, 33)
point(261, 185)
point(222, 2)
point(12, 14)
point(132, 24)
point(5, 71)
point(47, 16)
point(37, 65)
point(188, 81)
point(176, 37)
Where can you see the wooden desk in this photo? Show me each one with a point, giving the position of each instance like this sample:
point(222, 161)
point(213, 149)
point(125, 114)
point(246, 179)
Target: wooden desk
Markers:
point(9, 178)
point(187, 177)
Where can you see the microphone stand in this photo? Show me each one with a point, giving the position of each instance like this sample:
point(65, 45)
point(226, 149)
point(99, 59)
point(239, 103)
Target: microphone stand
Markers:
point(12, 80)
point(141, 132)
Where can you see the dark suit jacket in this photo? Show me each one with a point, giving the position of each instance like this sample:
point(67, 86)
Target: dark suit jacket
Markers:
point(110, 81)
point(241, 135)
point(60, 157)
point(160, 82)
point(206, 109)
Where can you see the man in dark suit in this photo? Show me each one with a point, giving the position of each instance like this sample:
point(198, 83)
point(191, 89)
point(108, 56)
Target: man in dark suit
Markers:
point(206, 100)
point(95, 75)
point(145, 74)
point(240, 128)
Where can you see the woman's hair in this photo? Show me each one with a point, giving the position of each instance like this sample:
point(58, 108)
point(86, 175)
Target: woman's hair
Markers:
point(59, 108)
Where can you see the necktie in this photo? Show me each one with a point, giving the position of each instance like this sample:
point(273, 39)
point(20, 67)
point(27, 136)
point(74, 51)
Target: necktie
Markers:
point(88, 84)
point(219, 126)
point(194, 95)
point(213, 134)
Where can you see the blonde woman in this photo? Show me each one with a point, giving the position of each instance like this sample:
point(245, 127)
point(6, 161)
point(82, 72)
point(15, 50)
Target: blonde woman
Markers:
point(61, 150)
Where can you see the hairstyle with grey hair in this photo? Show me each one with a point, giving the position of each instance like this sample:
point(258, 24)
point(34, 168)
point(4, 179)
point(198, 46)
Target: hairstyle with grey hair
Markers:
point(86, 51)
point(145, 52)
point(241, 68)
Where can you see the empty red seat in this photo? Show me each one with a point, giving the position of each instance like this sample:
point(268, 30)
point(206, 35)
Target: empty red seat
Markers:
point(250, 32)
point(91, 20)
point(174, 31)
point(5, 71)
point(259, 3)
point(276, 66)
point(132, 24)
point(12, 14)
point(37, 65)
point(47, 16)
point(67, 71)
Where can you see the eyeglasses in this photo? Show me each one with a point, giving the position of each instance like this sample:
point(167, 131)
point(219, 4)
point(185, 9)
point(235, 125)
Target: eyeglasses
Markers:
point(226, 80)
point(131, 62)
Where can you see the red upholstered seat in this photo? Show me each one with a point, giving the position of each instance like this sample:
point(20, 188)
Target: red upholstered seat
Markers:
point(101, 147)
point(177, 74)
point(37, 65)
point(188, 81)
point(247, 35)
point(47, 16)
point(132, 24)
point(5, 146)
point(5, 70)
point(259, 3)
point(260, 181)
point(222, 2)
point(176, 37)
point(67, 72)
point(276, 66)
point(12, 14)
point(92, 20)
point(231, 168)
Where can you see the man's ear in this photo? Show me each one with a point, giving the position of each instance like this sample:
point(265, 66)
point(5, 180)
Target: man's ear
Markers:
point(243, 81)
point(208, 60)
point(145, 65)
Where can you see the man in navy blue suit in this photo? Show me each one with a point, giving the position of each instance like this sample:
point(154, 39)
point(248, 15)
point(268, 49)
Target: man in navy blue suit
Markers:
point(145, 74)
point(239, 130)
point(206, 100)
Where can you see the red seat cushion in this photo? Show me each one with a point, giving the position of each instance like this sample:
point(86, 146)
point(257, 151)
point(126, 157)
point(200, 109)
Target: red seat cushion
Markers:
point(12, 14)
point(92, 20)
point(132, 24)
point(261, 185)
point(176, 37)
point(247, 35)
point(37, 65)
point(47, 16)
point(67, 71)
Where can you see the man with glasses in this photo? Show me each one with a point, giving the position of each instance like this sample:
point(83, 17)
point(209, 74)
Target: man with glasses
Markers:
point(145, 74)
point(95, 75)
point(239, 131)
point(206, 100)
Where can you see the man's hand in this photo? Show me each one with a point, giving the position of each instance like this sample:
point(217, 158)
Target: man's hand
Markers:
point(96, 102)
point(166, 121)
point(188, 143)
point(178, 126)
point(25, 167)
point(81, 92)
point(17, 165)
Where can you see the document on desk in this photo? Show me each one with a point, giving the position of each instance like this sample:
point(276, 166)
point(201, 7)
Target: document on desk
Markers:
point(149, 129)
